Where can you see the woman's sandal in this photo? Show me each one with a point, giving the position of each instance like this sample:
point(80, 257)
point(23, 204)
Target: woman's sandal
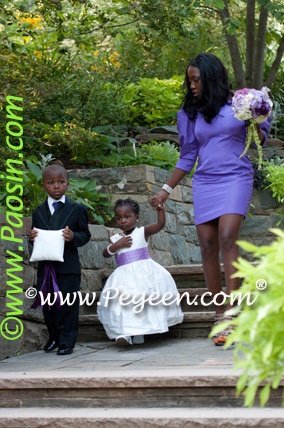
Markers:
point(223, 335)
point(219, 318)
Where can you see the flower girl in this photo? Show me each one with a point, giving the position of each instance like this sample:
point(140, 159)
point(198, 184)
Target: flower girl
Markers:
point(136, 277)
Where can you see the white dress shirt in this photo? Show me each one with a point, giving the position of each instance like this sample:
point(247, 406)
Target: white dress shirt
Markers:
point(50, 201)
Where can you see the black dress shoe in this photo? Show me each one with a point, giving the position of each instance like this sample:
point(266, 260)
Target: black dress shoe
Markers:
point(50, 346)
point(64, 350)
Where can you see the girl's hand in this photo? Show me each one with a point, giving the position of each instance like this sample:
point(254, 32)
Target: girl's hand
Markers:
point(159, 207)
point(33, 234)
point(124, 242)
point(159, 199)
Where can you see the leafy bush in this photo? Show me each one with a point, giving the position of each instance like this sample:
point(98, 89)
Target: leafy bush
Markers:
point(164, 155)
point(275, 177)
point(152, 101)
point(82, 144)
point(100, 209)
point(277, 124)
point(259, 332)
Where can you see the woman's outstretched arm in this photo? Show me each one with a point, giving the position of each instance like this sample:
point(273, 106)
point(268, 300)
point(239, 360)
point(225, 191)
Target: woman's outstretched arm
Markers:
point(161, 197)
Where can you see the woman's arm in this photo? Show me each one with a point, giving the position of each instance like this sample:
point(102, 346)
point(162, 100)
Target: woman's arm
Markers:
point(160, 198)
point(151, 229)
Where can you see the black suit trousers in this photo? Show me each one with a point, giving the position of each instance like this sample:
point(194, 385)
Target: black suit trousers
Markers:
point(62, 324)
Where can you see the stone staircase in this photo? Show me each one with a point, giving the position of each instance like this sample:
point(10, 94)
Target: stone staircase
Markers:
point(198, 318)
point(82, 393)
point(144, 398)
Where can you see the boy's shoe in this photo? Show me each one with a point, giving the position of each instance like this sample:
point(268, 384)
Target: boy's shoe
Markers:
point(64, 350)
point(50, 346)
point(123, 341)
point(138, 340)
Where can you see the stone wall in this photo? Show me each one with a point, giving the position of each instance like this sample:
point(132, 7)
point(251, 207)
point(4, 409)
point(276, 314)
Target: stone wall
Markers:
point(176, 244)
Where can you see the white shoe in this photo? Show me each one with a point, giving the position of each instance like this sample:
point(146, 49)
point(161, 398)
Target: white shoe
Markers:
point(138, 340)
point(123, 340)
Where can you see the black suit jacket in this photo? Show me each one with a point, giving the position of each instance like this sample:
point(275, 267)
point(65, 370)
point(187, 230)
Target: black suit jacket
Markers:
point(75, 217)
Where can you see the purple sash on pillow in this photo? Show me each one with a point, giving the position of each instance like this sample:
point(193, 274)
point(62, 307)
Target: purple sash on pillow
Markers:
point(132, 256)
point(49, 285)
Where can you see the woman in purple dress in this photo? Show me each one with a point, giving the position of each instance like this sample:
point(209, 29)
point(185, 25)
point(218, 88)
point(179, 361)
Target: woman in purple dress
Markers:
point(222, 182)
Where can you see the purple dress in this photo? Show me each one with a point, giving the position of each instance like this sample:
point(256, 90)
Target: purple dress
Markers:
point(222, 182)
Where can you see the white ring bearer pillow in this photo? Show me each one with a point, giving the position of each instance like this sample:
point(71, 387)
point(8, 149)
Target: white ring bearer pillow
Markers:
point(48, 245)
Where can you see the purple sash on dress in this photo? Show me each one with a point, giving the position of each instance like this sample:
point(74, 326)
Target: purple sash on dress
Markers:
point(49, 285)
point(132, 256)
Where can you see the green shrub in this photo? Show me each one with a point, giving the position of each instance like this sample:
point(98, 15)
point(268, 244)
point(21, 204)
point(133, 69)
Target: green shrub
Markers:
point(153, 102)
point(164, 155)
point(100, 209)
point(275, 176)
point(82, 144)
point(259, 332)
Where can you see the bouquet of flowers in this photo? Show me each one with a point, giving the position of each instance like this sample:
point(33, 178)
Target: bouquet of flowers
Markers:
point(254, 107)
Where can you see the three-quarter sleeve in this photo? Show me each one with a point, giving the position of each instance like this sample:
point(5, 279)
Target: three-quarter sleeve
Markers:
point(187, 141)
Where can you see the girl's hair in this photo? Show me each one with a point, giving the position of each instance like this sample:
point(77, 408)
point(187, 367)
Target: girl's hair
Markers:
point(215, 87)
point(132, 204)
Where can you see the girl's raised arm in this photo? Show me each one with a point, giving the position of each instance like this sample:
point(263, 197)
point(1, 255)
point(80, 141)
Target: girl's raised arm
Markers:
point(151, 229)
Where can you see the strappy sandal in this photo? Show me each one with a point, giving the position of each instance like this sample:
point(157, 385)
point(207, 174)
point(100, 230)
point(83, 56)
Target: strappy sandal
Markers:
point(219, 318)
point(223, 336)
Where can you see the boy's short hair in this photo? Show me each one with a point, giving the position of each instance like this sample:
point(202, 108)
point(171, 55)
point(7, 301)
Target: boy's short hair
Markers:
point(54, 167)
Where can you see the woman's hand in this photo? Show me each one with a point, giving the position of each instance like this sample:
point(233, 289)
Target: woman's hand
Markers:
point(260, 133)
point(159, 199)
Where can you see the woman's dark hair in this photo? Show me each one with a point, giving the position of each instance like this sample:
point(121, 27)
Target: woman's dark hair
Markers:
point(215, 87)
point(132, 204)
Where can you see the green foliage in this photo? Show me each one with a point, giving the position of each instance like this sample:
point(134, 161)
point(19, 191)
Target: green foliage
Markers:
point(153, 102)
point(163, 155)
point(100, 209)
point(275, 176)
point(259, 332)
point(277, 124)
point(82, 144)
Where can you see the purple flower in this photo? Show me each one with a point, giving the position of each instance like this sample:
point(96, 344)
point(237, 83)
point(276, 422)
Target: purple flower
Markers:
point(252, 104)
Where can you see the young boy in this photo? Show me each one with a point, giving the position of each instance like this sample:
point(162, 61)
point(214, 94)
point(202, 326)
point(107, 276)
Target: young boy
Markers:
point(62, 323)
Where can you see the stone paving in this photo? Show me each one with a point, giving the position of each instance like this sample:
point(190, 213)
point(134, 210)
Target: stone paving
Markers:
point(196, 354)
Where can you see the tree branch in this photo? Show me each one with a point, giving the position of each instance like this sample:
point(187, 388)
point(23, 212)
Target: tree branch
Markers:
point(258, 67)
point(250, 40)
point(59, 1)
point(276, 63)
point(55, 1)
point(233, 48)
point(101, 27)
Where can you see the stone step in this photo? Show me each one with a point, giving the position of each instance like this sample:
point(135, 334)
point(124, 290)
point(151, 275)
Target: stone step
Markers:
point(182, 388)
point(195, 324)
point(141, 418)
